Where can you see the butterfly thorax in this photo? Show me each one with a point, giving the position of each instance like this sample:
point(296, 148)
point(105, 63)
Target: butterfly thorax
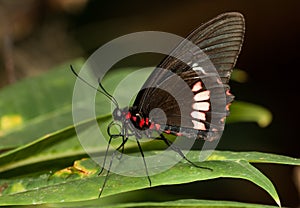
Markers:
point(134, 117)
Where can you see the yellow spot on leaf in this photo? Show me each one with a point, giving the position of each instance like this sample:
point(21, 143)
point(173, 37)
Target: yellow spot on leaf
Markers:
point(17, 187)
point(84, 166)
point(64, 172)
point(81, 168)
point(216, 157)
point(10, 121)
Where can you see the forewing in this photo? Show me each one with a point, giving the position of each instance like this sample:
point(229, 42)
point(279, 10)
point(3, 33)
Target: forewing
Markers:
point(220, 39)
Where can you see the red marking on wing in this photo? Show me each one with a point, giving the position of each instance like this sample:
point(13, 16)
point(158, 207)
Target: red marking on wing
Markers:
point(157, 126)
point(219, 81)
point(167, 131)
point(223, 120)
point(227, 106)
point(151, 126)
point(228, 93)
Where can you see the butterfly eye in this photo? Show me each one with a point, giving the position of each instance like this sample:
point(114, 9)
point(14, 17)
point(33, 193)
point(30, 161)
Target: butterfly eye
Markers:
point(117, 114)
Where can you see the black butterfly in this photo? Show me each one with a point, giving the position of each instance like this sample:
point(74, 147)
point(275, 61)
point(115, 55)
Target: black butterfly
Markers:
point(196, 111)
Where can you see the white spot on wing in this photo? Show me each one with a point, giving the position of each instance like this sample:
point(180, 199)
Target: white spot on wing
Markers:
point(198, 125)
point(199, 69)
point(202, 96)
point(197, 87)
point(203, 106)
point(198, 115)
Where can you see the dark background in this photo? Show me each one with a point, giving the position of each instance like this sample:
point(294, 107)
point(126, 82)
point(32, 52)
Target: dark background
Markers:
point(37, 35)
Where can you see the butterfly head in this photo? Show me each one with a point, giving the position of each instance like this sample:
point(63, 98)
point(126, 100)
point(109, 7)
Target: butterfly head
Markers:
point(119, 114)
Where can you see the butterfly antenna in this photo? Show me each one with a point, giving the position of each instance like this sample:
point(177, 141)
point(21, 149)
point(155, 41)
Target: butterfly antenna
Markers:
point(107, 94)
point(104, 92)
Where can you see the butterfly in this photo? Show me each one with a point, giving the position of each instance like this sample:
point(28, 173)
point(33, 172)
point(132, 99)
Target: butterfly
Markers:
point(187, 94)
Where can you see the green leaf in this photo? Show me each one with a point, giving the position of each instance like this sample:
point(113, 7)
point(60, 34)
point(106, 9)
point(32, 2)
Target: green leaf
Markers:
point(36, 106)
point(60, 145)
point(80, 181)
point(247, 112)
point(188, 203)
point(192, 203)
point(42, 105)
point(63, 143)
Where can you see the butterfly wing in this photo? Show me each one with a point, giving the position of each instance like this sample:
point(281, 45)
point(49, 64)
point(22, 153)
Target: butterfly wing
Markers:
point(220, 39)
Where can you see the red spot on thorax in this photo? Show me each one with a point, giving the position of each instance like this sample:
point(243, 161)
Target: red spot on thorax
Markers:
point(128, 115)
point(142, 122)
point(133, 118)
point(147, 121)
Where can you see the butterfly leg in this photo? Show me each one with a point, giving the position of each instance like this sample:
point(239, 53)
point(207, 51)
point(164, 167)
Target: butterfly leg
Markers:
point(119, 157)
point(178, 150)
point(112, 136)
point(145, 164)
point(124, 138)
point(110, 164)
